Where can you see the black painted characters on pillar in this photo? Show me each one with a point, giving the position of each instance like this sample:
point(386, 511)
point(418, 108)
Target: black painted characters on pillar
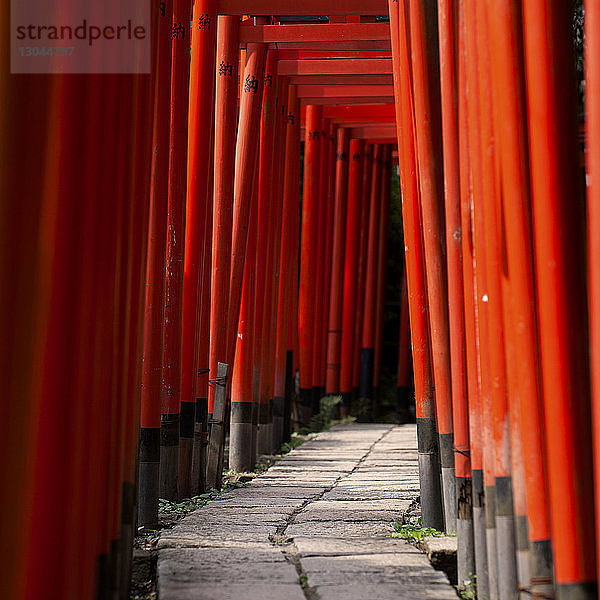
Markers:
point(204, 21)
point(251, 84)
point(225, 68)
point(178, 32)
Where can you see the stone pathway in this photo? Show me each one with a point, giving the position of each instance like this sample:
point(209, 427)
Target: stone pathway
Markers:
point(315, 526)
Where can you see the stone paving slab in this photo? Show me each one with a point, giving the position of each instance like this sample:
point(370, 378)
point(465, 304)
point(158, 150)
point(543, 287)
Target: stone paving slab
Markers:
point(317, 526)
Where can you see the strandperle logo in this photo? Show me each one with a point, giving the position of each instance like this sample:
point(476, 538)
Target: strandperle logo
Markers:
point(83, 32)
point(79, 36)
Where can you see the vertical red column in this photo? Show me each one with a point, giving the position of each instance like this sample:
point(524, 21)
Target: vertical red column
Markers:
point(382, 246)
point(246, 159)
point(475, 307)
point(504, 513)
point(325, 213)
point(361, 269)
point(337, 268)
point(448, 38)
point(559, 234)
point(265, 225)
point(350, 284)
point(149, 457)
point(293, 361)
point(275, 258)
point(174, 278)
point(329, 230)
point(592, 58)
point(308, 254)
point(508, 80)
point(140, 189)
point(417, 287)
point(370, 292)
point(57, 223)
point(226, 101)
point(483, 314)
point(425, 65)
point(199, 162)
point(246, 167)
point(288, 267)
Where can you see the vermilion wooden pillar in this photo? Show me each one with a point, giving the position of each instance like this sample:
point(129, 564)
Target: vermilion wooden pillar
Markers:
point(245, 165)
point(508, 80)
point(351, 247)
point(331, 136)
point(57, 245)
point(448, 38)
point(365, 394)
point(382, 245)
point(470, 308)
point(293, 344)
point(334, 336)
point(275, 257)
point(199, 191)
point(474, 60)
point(139, 181)
point(308, 258)
point(504, 512)
point(265, 224)
point(322, 257)
point(425, 410)
point(288, 265)
point(227, 61)
point(425, 65)
point(134, 173)
point(155, 279)
point(559, 234)
point(107, 220)
point(361, 269)
point(173, 319)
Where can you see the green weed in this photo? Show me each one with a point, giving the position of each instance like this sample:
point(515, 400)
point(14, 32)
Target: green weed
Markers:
point(414, 531)
point(468, 588)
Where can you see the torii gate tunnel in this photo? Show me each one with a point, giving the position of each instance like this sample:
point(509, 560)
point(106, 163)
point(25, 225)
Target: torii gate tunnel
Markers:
point(201, 250)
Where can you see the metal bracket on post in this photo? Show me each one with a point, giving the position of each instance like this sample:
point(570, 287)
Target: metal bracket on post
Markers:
point(216, 444)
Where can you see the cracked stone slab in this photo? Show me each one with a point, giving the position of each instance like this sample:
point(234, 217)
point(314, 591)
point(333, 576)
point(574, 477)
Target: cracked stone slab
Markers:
point(361, 510)
point(346, 529)
point(351, 494)
point(282, 505)
point(210, 533)
point(335, 546)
